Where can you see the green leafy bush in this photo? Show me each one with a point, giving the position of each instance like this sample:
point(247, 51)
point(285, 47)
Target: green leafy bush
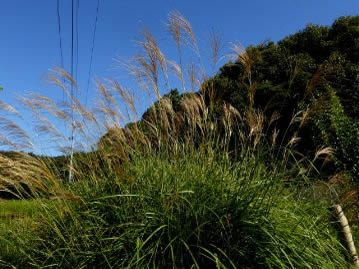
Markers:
point(340, 132)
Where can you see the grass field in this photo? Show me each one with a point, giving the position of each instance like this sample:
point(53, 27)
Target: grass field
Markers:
point(19, 222)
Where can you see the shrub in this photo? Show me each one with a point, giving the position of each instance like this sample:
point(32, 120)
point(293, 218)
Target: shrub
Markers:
point(340, 132)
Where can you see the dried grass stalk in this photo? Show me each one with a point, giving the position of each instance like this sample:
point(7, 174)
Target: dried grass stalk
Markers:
point(216, 45)
point(179, 27)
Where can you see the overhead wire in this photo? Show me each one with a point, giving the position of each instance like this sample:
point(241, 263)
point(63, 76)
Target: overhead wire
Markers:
point(59, 32)
point(92, 50)
point(72, 93)
point(72, 45)
point(77, 38)
point(60, 39)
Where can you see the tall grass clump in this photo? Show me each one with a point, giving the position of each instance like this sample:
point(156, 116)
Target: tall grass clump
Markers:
point(194, 184)
point(186, 211)
point(195, 209)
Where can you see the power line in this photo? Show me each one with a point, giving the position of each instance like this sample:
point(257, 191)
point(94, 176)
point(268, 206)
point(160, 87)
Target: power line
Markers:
point(92, 49)
point(59, 32)
point(72, 44)
point(60, 39)
point(77, 38)
point(72, 92)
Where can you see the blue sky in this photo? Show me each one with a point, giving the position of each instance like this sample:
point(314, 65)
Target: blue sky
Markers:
point(29, 46)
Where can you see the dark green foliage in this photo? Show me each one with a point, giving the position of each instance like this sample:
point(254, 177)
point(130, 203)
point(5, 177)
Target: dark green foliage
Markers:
point(295, 75)
point(313, 40)
point(340, 132)
point(345, 35)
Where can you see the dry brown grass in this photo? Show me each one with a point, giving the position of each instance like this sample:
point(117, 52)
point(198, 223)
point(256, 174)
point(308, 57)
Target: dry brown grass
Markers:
point(24, 171)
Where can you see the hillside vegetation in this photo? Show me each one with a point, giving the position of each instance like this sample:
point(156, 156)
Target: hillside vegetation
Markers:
point(240, 172)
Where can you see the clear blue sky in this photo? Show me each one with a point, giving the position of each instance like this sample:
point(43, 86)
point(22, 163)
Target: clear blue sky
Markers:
point(29, 46)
